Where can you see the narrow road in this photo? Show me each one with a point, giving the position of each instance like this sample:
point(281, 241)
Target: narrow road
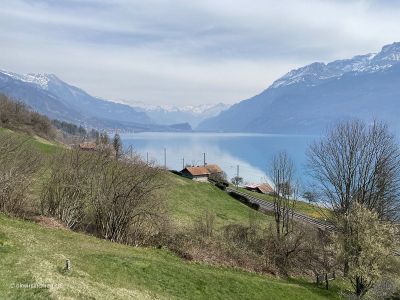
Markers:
point(268, 206)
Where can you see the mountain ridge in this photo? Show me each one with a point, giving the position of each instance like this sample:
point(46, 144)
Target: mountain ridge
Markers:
point(192, 114)
point(57, 99)
point(310, 98)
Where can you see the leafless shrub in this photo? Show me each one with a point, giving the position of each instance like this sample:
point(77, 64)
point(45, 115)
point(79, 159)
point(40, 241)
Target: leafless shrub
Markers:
point(16, 115)
point(118, 199)
point(205, 225)
point(282, 252)
point(65, 195)
point(125, 197)
point(18, 164)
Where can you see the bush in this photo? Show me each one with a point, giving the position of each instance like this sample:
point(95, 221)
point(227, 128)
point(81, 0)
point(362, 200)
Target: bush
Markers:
point(220, 186)
point(118, 199)
point(245, 201)
point(219, 178)
point(204, 226)
point(66, 193)
point(18, 165)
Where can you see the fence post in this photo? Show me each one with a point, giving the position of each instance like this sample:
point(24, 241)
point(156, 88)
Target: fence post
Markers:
point(327, 281)
point(68, 265)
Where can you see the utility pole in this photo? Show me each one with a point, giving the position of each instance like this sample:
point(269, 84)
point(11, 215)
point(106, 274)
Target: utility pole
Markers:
point(147, 157)
point(165, 158)
point(204, 159)
point(183, 163)
point(237, 176)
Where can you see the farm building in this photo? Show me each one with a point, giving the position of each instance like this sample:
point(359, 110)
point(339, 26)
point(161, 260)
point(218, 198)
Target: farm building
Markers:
point(196, 173)
point(262, 188)
point(201, 173)
point(87, 146)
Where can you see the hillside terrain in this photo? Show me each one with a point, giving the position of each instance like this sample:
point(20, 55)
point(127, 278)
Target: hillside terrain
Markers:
point(308, 99)
point(187, 200)
point(192, 240)
point(35, 255)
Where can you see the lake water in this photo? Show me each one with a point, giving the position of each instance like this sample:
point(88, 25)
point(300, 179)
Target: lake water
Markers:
point(252, 152)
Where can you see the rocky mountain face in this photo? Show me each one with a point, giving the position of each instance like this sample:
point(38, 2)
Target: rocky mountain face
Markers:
point(309, 99)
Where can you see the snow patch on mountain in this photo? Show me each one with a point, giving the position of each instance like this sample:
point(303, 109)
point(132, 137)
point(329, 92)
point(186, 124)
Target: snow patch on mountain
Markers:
point(171, 114)
point(192, 109)
point(317, 72)
point(41, 80)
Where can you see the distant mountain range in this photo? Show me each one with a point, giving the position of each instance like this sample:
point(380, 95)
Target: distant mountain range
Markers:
point(309, 99)
point(49, 95)
point(305, 100)
point(192, 114)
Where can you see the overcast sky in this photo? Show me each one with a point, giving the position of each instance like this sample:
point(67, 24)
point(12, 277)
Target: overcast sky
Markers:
point(182, 51)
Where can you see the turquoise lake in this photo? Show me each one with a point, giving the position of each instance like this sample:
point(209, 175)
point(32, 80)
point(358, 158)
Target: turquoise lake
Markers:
point(252, 152)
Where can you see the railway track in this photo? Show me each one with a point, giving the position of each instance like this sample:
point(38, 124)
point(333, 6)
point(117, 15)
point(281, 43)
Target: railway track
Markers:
point(268, 206)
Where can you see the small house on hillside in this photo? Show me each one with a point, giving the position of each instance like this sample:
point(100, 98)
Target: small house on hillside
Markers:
point(202, 173)
point(87, 146)
point(262, 188)
point(196, 173)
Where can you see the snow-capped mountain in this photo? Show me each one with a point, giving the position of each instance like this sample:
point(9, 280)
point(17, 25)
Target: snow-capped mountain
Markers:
point(369, 63)
point(41, 80)
point(55, 98)
point(309, 98)
point(170, 114)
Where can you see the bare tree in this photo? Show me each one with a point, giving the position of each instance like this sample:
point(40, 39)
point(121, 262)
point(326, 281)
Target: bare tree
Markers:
point(117, 145)
point(357, 163)
point(281, 175)
point(284, 244)
point(237, 180)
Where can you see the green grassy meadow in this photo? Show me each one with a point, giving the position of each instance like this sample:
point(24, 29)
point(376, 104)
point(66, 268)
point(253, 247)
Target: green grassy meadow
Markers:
point(32, 254)
point(188, 200)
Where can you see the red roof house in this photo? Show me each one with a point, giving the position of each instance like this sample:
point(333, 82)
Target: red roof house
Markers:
point(263, 188)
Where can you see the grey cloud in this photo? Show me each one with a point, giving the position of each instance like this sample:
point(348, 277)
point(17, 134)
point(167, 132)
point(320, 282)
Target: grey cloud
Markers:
point(186, 51)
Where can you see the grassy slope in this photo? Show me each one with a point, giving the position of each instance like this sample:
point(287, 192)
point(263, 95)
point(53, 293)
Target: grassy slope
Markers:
point(38, 143)
point(32, 254)
point(301, 206)
point(188, 200)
